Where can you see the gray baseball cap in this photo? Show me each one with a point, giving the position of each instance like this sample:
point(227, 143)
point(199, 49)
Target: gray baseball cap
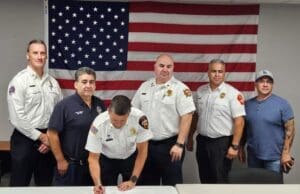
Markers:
point(264, 73)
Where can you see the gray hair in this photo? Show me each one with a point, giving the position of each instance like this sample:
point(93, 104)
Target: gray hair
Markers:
point(213, 61)
point(84, 70)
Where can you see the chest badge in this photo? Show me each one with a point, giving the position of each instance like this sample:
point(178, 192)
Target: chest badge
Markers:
point(222, 95)
point(132, 131)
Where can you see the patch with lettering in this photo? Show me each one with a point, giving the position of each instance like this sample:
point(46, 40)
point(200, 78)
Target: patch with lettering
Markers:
point(143, 121)
point(187, 92)
point(241, 99)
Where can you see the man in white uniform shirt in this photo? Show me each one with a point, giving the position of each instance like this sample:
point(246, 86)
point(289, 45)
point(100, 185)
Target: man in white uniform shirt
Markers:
point(220, 109)
point(169, 106)
point(31, 97)
point(119, 137)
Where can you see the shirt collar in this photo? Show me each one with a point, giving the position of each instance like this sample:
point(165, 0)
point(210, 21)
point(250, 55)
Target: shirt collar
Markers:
point(34, 74)
point(219, 88)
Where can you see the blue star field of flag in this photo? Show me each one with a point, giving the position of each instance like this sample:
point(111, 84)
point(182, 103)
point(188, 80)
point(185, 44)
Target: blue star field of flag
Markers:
point(93, 34)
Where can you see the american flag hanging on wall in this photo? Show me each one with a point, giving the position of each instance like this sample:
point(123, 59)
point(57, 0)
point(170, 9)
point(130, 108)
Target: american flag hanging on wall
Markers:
point(121, 40)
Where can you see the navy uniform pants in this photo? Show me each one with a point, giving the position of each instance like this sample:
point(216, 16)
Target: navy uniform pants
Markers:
point(159, 169)
point(78, 174)
point(111, 168)
point(27, 160)
point(211, 153)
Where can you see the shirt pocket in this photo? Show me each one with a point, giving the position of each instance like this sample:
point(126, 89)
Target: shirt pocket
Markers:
point(33, 96)
point(145, 102)
point(131, 141)
point(169, 100)
point(221, 108)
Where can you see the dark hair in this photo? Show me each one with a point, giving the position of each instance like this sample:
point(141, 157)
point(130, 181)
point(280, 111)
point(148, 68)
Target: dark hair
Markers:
point(36, 41)
point(84, 70)
point(120, 105)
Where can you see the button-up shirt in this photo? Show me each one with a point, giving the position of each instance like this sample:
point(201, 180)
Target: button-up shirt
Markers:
point(216, 110)
point(31, 100)
point(117, 143)
point(164, 104)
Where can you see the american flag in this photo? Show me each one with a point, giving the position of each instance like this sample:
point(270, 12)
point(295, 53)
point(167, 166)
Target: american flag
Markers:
point(121, 40)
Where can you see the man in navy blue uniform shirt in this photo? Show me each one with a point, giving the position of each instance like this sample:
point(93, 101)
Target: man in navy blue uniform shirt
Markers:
point(68, 129)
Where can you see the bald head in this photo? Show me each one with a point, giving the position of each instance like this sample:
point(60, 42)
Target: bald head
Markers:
point(163, 68)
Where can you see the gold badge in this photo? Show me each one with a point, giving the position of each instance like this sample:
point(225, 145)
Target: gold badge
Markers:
point(222, 95)
point(169, 92)
point(132, 131)
point(187, 92)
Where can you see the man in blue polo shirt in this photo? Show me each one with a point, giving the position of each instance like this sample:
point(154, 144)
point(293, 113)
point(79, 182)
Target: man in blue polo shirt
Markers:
point(270, 127)
point(68, 130)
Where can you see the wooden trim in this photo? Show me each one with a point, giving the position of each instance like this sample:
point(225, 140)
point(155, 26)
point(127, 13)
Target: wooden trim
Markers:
point(4, 146)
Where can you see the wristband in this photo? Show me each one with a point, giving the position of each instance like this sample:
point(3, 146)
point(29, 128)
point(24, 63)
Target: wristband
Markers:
point(181, 145)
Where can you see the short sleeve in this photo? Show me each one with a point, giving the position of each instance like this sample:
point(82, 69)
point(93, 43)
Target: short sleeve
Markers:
point(93, 143)
point(56, 121)
point(237, 105)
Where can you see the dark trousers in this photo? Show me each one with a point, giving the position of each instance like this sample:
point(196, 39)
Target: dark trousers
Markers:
point(27, 160)
point(111, 168)
point(211, 153)
point(159, 169)
point(77, 174)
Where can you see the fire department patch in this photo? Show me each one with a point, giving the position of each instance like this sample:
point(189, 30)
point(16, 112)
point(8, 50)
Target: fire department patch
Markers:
point(143, 121)
point(187, 92)
point(241, 99)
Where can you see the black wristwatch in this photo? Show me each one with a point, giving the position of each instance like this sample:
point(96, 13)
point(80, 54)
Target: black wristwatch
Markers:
point(235, 147)
point(181, 145)
point(133, 178)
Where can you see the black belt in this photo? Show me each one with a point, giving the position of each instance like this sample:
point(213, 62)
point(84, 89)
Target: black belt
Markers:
point(42, 130)
point(80, 162)
point(164, 141)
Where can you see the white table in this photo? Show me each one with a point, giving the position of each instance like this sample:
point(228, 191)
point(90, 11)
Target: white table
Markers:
point(238, 188)
point(87, 190)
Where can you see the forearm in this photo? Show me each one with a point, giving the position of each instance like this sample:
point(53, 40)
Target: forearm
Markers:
point(289, 135)
point(238, 130)
point(55, 145)
point(193, 127)
point(140, 159)
point(94, 167)
point(184, 127)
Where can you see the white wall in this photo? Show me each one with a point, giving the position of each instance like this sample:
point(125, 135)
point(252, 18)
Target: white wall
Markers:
point(20, 21)
point(278, 51)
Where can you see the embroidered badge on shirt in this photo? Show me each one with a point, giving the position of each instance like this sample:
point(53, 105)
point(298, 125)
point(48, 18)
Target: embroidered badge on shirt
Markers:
point(132, 131)
point(79, 112)
point(241, 99)
point(222, 95)
point(187, 92)
point(143, 121)
point(11, 90)
point(94, 130)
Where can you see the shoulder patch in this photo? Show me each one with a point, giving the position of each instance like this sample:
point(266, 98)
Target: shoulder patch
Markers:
point(94, 130)
point(187, 92)
point(143, 121)
point(241, 99)
point(11, 90)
